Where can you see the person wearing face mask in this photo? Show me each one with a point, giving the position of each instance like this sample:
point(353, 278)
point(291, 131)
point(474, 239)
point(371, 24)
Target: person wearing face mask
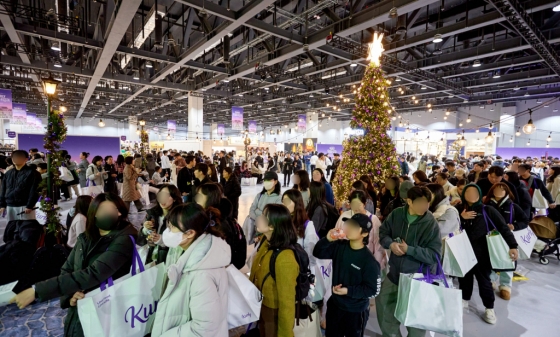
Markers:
point(78, 213)
point(270, 194)
point(475, 221)
point(104, 250)
point(95, 171)
point(445, 214)
point(168, 197)
point(195, 300)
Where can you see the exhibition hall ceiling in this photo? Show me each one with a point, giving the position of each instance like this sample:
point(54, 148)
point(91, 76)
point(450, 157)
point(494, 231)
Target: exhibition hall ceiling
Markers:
point(276, 59)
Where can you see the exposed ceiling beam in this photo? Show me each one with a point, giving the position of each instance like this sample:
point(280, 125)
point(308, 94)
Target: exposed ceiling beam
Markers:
point(118, 27)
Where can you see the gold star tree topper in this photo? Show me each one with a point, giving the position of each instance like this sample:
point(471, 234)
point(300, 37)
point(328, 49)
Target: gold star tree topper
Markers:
point(376, 48)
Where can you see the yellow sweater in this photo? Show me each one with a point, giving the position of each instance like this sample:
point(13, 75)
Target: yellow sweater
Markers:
point(279, 295)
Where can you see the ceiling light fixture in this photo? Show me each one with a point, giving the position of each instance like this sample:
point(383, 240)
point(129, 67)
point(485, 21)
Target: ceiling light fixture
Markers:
point(149, 64)
point(101, 123)
point(55, 46)
point(511, 139)
point(489, 138)
point(529, 142)
point(518, 132)
point(549, 138)
point(476, 64)
point(353, 64)
point(437, 38)
point(496, 74)
point(469, 119)
point(529, 128)
point(556, 8)
point(57, 63)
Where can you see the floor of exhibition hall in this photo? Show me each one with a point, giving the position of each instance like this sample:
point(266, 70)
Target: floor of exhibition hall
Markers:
point(532, 310)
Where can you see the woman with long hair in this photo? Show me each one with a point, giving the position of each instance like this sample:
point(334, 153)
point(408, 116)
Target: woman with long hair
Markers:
point(476, 220)
point(553, 182)
point(213, 173)
point(301, 183)
point(111, 171)
point(317, 209)
point(525, 200)
point(370, 189)
point(500, 197)
point(359, 185)
point(445, 214)
point(79, 219)
point(155, 223)
point(420, 178)
point(195, 300)
point(319, 176)
point(270, 194)
point(391, 191)
point(278, 309)
point(95, 172)
point(105, 250)
point(119, 165)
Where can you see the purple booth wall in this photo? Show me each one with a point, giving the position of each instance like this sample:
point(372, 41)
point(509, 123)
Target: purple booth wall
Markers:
point(102, 146)
point(523, 152)
point(329, 149)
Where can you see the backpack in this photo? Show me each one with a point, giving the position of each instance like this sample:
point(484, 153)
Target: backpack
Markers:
point(237, 242)
point(332, 217)
point(151, 166)
point(303, 282)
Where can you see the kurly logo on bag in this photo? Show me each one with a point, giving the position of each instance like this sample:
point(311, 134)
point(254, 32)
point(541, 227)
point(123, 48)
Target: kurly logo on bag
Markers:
point(245, 316)
point(527, 238)
point(142, 315)
point(325, 271)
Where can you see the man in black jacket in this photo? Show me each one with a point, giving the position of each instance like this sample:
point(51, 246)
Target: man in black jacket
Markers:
point(232, 190)
point(496, 175)
point(18, 194)
point(222, 163)
point(533, 182)
point(185, 179)
point(477, 172)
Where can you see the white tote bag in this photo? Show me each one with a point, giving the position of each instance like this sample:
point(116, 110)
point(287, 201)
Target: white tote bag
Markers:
point(424, 305)
point(126, 307)
point(498, 248)
point(526, 240)
point(244, 299)
point(323, 279)
point(145, 193)
point(539, 202)
point(249, 230)
point(459, 256)
point(246, 181)
point(65, 174)
point(92, 189)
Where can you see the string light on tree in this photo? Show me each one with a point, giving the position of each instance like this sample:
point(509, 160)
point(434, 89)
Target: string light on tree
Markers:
point(374, 153)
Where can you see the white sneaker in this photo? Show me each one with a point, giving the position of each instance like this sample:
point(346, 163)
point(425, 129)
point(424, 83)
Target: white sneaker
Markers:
point(465, 304)
point(489, 316)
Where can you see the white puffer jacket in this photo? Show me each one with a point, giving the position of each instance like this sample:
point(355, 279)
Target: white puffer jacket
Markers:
point(447, 217)
point(195, 302)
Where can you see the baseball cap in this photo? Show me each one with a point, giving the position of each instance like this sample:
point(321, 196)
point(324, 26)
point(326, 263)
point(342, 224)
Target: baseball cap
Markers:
point(361, 220)
point(269, 175)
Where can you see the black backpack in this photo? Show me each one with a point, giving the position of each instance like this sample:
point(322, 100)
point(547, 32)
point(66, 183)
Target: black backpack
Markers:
point(237, 242)
point(332, 217)
point(303, 282)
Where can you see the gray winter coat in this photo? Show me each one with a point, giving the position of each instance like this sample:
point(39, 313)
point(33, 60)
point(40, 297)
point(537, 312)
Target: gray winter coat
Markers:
point(447, 217)
point(83, 166)
point(262, 200)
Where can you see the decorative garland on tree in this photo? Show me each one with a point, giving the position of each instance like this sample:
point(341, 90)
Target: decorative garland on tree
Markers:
point(54, 137)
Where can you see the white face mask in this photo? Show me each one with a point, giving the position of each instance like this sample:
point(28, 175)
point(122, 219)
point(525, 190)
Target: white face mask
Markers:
point(268, 185)
point(72, 211)
point(171, 239)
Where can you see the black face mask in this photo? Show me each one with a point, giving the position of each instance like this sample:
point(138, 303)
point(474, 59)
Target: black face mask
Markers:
point(106, 222)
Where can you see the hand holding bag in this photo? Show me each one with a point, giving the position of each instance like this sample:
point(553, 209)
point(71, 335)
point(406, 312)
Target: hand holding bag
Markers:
point(92, 189)
point(244, 299)
point(459, 256)
point(497, 248)
point(125, 307)
point(427, 302)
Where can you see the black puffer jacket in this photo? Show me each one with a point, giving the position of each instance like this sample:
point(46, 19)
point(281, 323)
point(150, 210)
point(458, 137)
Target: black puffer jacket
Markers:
point(506, 207)
point(89, 264)
point(19, 188)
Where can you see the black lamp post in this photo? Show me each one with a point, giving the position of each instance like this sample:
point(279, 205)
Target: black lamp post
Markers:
point(49, 87)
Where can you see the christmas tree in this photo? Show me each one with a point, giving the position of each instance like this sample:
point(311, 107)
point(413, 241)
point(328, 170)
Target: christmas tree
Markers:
point(373, 153)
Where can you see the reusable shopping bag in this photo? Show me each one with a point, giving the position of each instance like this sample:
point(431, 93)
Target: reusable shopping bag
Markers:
point(539, 202)
point(526, 240)
point(459, 256)
point(92, 189)
point(125, 307)
point(498, 248)
point(427, 302)
point(244, 299)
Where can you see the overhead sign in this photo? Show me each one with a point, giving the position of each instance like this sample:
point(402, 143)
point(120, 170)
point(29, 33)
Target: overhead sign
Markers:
point(237, 118)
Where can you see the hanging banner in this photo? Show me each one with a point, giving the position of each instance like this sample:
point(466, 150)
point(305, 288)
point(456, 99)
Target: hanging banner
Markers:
point(5, 103)
point(252, 126)
point(237, 118)
point(221, 129)
point(172, 125)
point(123, 138)
point(11, 134)
point(302, 123)
point(19, 114)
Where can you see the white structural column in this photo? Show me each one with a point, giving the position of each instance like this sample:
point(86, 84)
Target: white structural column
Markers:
point(507, 127)
point(132, 127)
point(195, 117)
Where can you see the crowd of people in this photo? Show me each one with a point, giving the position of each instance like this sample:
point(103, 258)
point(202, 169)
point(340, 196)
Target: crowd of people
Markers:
point(380, 231)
